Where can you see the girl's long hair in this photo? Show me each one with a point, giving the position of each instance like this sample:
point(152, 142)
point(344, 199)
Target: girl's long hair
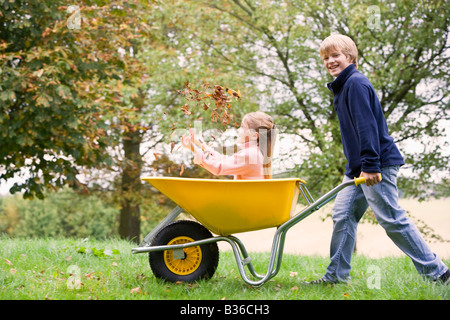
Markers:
point(263, 124)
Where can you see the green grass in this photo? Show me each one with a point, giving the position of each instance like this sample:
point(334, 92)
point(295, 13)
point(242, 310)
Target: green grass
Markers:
point(42, 269)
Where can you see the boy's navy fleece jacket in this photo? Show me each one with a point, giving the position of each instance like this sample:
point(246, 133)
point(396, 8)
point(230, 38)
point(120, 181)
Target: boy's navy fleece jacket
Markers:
point(365, 137)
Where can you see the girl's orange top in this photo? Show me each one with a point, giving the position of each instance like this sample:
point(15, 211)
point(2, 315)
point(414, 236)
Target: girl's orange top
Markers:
point(247, 164)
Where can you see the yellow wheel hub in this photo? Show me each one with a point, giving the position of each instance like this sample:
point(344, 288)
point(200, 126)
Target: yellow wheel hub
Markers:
point(188, 264)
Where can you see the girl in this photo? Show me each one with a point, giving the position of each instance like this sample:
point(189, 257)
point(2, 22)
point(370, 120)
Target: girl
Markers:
point(257, 136)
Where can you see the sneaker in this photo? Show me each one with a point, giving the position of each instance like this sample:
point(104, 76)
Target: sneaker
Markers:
point(321, 281)
point(445, 278)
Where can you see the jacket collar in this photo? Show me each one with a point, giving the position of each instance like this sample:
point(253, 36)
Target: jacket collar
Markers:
point(338, 83)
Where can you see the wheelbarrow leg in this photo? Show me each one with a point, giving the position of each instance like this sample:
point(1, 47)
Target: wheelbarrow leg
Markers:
point(170, 217)
point(246, 258)
point(274, 261)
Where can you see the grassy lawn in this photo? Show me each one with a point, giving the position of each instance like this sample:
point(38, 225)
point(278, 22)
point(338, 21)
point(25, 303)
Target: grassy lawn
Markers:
point(58, 269)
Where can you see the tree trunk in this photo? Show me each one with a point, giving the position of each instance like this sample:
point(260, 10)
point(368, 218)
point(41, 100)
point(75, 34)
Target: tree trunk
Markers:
point(129, 227)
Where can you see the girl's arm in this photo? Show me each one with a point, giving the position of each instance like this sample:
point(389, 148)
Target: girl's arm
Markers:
point(239, 163)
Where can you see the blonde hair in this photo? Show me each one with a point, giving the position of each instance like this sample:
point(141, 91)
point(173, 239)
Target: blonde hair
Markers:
point(263, 124)
point(344, 44)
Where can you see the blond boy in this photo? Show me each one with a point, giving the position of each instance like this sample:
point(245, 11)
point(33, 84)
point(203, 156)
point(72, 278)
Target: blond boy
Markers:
point(371, 153)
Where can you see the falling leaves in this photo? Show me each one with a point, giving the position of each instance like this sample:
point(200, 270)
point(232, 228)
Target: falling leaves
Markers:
point(185, 108)
point(220, 96)
point(181, 170)
point(216, 99)
point(157, 155)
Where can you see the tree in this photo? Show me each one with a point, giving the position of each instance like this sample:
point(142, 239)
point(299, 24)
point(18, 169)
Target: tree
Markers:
point(56, 64)
point(67, 90)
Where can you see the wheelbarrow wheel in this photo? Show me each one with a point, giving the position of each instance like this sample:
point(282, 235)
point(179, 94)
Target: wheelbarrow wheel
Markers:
point(188, 264)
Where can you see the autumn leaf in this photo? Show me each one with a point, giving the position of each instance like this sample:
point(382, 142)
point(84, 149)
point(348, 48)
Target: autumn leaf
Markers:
point(9, 263)
point(38, 73)
point(214, 116)
point(185, 108)
point(181, 170)
point(136, 290)
point(156, 155)
point(46, 32)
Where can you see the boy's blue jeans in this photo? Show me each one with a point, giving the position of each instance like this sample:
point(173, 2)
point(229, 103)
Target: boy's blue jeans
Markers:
point(349, 207)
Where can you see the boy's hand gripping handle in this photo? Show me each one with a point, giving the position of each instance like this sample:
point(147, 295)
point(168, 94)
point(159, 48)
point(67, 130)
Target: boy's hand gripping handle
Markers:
point(362, 180)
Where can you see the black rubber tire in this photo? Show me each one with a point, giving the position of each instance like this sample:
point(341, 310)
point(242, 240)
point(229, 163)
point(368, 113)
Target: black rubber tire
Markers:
point(184, 228)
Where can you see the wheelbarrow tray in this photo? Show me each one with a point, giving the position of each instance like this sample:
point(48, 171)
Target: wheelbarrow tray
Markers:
point(232, 206)
point(225, 207)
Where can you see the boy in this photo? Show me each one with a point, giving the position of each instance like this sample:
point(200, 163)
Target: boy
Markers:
point(370, 153)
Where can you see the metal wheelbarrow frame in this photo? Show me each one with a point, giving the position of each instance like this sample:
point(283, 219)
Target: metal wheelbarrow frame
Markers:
point(240, 253)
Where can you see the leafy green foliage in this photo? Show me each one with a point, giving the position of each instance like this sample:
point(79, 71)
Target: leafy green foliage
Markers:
point(61, 214)
point(97, 252)
point(68, 214)
point(56, 64)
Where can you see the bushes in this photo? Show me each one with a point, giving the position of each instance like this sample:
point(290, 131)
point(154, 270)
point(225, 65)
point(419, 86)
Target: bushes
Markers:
point(71, 215)
point(61, 214)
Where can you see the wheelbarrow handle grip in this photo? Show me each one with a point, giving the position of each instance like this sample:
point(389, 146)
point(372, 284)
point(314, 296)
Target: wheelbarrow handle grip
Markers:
point(359, 181)
point(362, 180)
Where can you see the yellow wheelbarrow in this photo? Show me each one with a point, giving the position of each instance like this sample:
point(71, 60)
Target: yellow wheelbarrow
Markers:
point(187, 251)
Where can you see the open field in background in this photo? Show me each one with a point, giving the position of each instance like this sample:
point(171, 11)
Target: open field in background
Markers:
point(312, 235)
